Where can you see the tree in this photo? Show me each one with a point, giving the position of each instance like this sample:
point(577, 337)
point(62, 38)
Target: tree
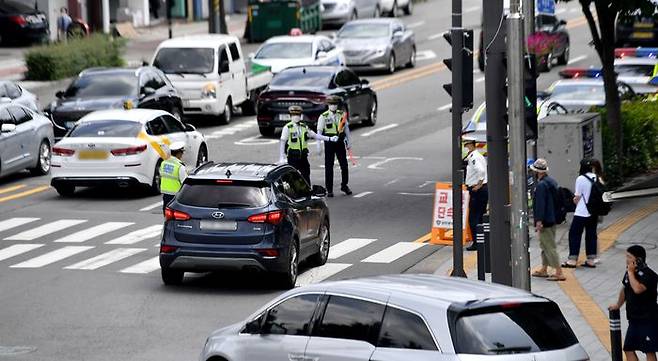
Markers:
point(603, 39)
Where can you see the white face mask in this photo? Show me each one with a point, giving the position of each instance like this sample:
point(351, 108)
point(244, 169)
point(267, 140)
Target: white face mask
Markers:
point(333, 107)
point(295, 118)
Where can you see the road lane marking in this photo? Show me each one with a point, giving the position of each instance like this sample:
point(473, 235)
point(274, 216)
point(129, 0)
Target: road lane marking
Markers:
point(444, 107)
point(577, 59)
point(106, 258)
point(377, 165)
point(145, 267)
point(16, 249)
point(415, 194)
point(24, 194)
point(347, 246)
point(151, 206)
point(393, 252)
point(52, 257)
point(426, 183)
point(15, 222)
point(256, 140)
point(138, 236)
point(392, 181)
point(424, 238)
point(416, 24)
point(425, 55)
point(12, 188)
point(362, 194)
point(45, 229)
point(319, 274)
point(93, 232)
point(381, 129)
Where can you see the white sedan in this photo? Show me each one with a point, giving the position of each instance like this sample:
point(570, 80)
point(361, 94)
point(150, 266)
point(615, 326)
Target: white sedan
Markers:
point(637, 72)
point(282, 52)
point(121, 147)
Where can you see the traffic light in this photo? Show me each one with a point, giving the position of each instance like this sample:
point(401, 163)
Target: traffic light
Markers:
point(467, 66)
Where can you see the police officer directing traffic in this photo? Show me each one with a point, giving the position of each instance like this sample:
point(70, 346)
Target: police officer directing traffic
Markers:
point(476, 182)
point(294, 142)
point(331, 123)
point(172, 173)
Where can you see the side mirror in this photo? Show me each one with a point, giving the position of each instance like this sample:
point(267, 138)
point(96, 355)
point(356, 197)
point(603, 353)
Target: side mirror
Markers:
point(223, 67)
point(59, 94)
point(398, 34)
point(562, 22)
point(321, 55)
point(8, 127)
point(319, 191)
point(189, 127)
point(146, 91)
point(253, 327)
point(145, 63)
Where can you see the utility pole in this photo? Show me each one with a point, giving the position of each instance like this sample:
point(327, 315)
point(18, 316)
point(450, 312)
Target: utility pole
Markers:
point(217, 17)
point(497, 156)
point(519, 206)
point(169, 4)
point(529, 17)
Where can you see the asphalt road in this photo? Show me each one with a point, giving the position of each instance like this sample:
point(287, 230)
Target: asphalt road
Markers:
point(54, 310)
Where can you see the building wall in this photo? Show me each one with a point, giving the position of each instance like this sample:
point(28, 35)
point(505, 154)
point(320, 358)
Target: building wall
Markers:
point(51, 9)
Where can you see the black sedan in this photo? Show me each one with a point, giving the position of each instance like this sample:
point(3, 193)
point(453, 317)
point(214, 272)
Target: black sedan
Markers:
point(309, 88)
point(107, 88)
point(22, 23)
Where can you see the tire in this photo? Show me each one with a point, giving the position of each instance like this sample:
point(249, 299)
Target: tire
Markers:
point(202, 156)
point(155, 183)
point(564, 58)
point(372, 118)
point(320, 258)
point(378, 12)
point(266, 131)
point(412, 57)
point(394, 10)
point(391, 64)
point(288, 279)
point(43, 159)
point(249, 105)
point(228, 113)
point(65, 190)
point(409, 9)
point(177, 113)
point(171, 277)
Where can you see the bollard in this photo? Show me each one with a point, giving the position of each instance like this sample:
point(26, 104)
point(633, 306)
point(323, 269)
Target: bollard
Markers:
point(615, 335)
point(487, 242)
point(479, 242)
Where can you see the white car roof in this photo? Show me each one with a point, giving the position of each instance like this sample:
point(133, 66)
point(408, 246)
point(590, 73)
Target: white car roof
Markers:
point(585, 81)
point(636, 61)
point(198, 41)
point(295, 39)
point(135, 115)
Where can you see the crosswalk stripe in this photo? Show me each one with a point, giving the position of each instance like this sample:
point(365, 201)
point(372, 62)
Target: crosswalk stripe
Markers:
point(52, 257)
point(318, 274)
point(15, 222)
point(147, 266)
point(106, 258)
point(349, 245)
point(151, 206)
point(393, 252)
point(16, 249)
point(137, 236)
point(93, 232)
point(45, 229)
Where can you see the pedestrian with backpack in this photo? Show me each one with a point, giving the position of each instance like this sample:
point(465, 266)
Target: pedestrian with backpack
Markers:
point(546, 213)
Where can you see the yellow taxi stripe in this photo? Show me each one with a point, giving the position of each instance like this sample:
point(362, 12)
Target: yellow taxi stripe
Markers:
point(153, 141)
point(24, 194)
point(12, 188)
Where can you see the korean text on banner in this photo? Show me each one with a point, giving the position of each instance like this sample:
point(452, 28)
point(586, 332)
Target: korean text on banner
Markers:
point(442, 214)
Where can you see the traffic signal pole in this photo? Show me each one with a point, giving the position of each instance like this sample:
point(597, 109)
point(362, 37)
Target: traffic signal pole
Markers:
point(519, 193)
point(216, 18)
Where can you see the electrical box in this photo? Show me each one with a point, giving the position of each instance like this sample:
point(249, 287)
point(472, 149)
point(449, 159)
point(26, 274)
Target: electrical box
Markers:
point(564, 140)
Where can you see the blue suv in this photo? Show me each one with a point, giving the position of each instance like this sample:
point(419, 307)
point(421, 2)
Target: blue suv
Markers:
point(244, 216)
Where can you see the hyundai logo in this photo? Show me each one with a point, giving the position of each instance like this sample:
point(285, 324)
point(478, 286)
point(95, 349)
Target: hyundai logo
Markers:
point(217, 215)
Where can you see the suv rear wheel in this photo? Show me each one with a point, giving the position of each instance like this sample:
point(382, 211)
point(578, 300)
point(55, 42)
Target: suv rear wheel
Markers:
point(289, 278)
point(321, 257)
point(172, 277)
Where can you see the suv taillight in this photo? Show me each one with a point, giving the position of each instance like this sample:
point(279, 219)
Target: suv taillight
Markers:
point(63, 152)
point(18, 20)
point(128, 151)
point(274, 217)
point(174, 215)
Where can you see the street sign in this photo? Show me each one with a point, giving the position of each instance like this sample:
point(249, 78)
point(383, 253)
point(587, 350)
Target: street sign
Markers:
point(545, 6)
point(442, 214)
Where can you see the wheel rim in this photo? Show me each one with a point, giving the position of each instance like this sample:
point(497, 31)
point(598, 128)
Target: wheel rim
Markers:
point(324, 244)
point(413, 56)
point(293, 263)
point(227, 112)
point(566, 54)
point(202, 157)
point(549, 61)
point(44, 158)
point(156, 177)
point(373, 113)
point(391, 64)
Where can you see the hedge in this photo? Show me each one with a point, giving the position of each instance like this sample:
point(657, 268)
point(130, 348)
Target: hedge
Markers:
point(63, 60)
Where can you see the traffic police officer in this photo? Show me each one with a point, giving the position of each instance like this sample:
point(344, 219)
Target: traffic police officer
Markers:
point(331, 123)
point(294, 142)
point(172, 173)
point(476, 182)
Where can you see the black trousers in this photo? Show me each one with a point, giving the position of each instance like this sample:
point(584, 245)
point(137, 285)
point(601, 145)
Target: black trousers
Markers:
point(300, 162)
point(578, 225)
point(166, 199)
point(335, 150)
point(477, 206)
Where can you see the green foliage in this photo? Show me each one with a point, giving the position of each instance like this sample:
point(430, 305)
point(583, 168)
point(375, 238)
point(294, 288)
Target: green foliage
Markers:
point(63, 60)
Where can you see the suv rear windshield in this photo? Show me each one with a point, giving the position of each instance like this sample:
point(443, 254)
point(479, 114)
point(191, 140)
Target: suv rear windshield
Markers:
point(107, 129)
point(511, 329)
point(210, 195)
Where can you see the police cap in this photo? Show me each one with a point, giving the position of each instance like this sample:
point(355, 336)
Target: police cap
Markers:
point(295, 109)
point(334, 100)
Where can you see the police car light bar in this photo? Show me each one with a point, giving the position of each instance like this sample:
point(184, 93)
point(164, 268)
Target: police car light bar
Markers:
point(571, 73)
point(636, 52)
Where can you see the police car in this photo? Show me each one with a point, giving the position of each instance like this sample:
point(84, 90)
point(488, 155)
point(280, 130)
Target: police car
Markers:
point(281, 52)
point(636, 67)
point(121, 147)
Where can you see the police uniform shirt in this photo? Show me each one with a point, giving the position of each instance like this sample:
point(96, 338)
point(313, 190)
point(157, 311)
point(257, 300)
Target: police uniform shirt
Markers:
point(297, 130)
point(182, 173)
point(334, 118)
point(476, 169)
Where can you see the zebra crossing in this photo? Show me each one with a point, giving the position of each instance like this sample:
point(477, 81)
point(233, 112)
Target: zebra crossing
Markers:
point(127, 248)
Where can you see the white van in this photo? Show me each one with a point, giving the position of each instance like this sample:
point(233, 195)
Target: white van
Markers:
point(209, 72)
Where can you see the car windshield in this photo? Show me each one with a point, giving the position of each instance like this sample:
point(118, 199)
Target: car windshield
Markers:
point(295, 78)
point(222, 196)
point(106, 129)
point(285, 51)
point(578, 91)
point(364, 31)
point(634, 70)
point(103, 85)
point(185, 60)
point(513, 328)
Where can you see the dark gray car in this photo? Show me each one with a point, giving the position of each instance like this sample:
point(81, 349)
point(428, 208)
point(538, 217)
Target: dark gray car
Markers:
point(400, 318)
point(385, 44)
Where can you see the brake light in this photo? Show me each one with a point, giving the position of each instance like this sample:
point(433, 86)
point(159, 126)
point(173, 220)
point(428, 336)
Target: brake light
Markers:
point(18, 20)
point(128, 151)
point(63, 152)
point(224, 181)
point(274, 217)
point(167, 249)
point(174, 215)
point(509, 305)
point(268, 252)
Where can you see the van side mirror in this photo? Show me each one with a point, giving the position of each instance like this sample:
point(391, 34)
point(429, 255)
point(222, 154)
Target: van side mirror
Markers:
point(398, 34)
point(223, 67)
point(146, 91)
point(321, 55)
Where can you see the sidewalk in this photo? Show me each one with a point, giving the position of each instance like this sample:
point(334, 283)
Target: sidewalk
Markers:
point(586, 294)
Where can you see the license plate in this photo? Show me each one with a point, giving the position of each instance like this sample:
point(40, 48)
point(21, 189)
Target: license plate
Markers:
point(642, 35)
point(219, 225)
point(92, 154)
point(284, 116)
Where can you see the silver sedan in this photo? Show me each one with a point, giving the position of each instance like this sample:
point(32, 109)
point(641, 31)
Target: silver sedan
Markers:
point(400, 318)
point(19, 95)
point(385, 44)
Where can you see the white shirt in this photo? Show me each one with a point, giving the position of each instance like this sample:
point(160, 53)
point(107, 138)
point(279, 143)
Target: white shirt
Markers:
point(333, 118)
point(285, 133)
point(476, 168)
point(182, 173)
point(583, 189)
